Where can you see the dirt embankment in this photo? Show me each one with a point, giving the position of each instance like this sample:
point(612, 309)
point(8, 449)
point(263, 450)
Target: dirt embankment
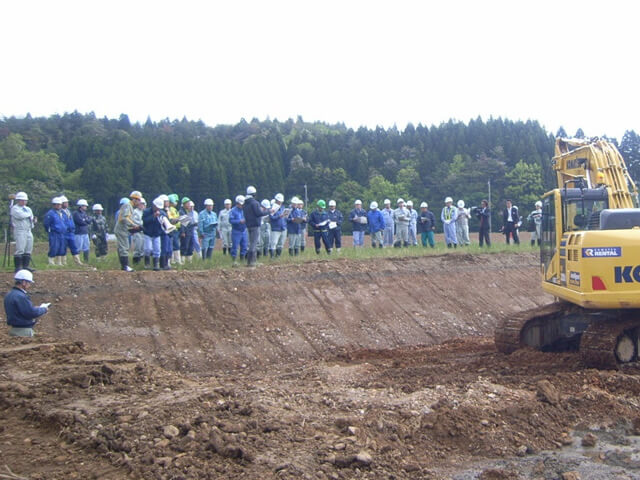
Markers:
point(205, 321)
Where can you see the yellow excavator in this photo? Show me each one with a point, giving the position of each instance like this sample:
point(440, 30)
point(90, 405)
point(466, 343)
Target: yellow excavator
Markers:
point(589, 260)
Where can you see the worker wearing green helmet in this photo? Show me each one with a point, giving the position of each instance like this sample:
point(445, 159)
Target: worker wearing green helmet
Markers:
point(319, 221)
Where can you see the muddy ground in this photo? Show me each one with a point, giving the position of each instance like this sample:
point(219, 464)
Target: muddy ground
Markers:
point(381, 369)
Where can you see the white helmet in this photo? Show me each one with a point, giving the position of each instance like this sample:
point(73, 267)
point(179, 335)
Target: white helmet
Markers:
point(332, 203)
point(24, 275)
point(97, 206)
point(279, 197)
point(460, 203)
point(400, 200)
point(56, 200)
point(82, 203)
point(163, 197)
point(265, 203)
point(63, 199)
point(295, 200)
point(358, 202)
point(387, 201)
point(208, 201)
point(158, 202)
point(410, 203)
point(135, 194)
point(538, 203)
point(143, 201)
point(373, 205)
point(21, 196)
point(448, 200)
point(227, 201)
point(251, 190)
point(240, 199)
point(424, 205)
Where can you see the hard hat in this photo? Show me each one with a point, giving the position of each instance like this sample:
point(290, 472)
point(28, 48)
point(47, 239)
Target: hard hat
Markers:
point(358, 202)
point(135, 194)
point(124, 200)
point(227, 201)
point(82, 203)
point(63, 199)
point(185, 200)
point(163, 197)
point(373, 205)
point(321, 203)
point(460, 203)
point(158, 202)
point(240, 199)
point(24, 275)
point(56, 200)
point(295, 200)
point(448, 199)
point(21, 196)
point(424, 205)
point(251, 190)
point(409, 203)
point(208, 201)
point(538, 203)
point(191, 204)
point(265, 203)
point(332, 203)
point(143, 201)
point(173, 198)
point(400, 200)
point(97, 206)
point(279, 197)
point(387, 201)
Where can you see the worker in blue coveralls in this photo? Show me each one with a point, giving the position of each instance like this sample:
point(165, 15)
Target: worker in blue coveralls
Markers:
point(20, 313)
point(239, 237)
point(319, 221)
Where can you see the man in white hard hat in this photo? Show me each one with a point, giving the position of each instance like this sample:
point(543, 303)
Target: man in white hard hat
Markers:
point(375, 221)
point(265, 230)
point(426, 225)
point(82, 222)
point(20, 313)
point(294, 227)
point(55, 228)
point(358, 218)
point(125, 226)
point(224, 227)
point(387, 214)
point(277, 218)
point(335, 226)
point(239, 237)
point(207, 224)
point(137, 237)
point(448, 216)
point(462, 224)
point(534, 219)
point(253, 213)
point(22, 221)
point(152, 221)
point(69, 234)
point(413, 224)
point(99, 230)
point(401, 219)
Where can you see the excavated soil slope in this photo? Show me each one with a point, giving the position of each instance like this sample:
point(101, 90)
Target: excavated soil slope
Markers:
point(204, 321)
point(315, 371)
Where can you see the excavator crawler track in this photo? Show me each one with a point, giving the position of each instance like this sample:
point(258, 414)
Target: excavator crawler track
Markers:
point(599, 341)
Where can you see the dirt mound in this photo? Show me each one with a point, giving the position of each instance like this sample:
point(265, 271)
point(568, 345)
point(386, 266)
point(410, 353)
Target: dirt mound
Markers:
point(207, 321)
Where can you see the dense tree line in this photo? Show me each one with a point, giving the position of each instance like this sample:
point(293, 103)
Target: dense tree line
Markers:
point(104, 159)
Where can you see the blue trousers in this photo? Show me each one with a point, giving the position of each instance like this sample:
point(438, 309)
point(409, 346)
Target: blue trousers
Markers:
point(166, 244)
point(317, 236)
point(335, 237)
point(208, 241)
point(69, 241)
point(239, 239)
point(56, 244)
point(358, 239)
point(152, 246)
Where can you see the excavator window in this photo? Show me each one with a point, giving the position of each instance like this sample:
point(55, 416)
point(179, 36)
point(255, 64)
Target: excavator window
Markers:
point(582, 208)
point(548, 244)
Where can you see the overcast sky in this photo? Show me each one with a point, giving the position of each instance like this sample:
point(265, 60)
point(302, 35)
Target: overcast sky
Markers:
point(368, 63)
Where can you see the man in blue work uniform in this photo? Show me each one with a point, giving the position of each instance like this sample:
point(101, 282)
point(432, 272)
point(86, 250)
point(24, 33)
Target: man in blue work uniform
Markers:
point(20, 312)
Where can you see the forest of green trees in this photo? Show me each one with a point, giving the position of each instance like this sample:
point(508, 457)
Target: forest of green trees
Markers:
point(104, 159)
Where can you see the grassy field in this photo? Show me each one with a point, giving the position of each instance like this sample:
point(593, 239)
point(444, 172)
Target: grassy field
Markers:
point(218, 260)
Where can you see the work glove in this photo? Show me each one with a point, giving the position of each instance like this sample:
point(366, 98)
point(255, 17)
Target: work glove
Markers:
point(45, 306)
point(94, 237)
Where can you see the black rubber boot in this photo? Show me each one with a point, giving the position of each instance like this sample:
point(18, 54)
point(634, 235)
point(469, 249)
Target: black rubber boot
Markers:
point(258, 253)
point(124, 262)
point(317, 251)
point(405, 244)
point(156, 264)
point(291, 252)
point(224, 250)
point(278, 252)
point(455, 245)
point(302, 248)
point(533, 242)
point(296, 252)
point(136, 260)
point(265, 251)
point(209, 252)
point(85, 255)
point(26, 260)
point(380, 246)
point(165, 262)
point(271, 253)
point(17, 261)
point(147, 261)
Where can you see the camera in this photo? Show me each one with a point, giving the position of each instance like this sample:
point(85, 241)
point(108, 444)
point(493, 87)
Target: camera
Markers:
point(476, 210)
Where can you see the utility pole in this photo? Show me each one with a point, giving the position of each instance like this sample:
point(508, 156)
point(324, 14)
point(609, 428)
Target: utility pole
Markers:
point(306, 199)
point(489, 200)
